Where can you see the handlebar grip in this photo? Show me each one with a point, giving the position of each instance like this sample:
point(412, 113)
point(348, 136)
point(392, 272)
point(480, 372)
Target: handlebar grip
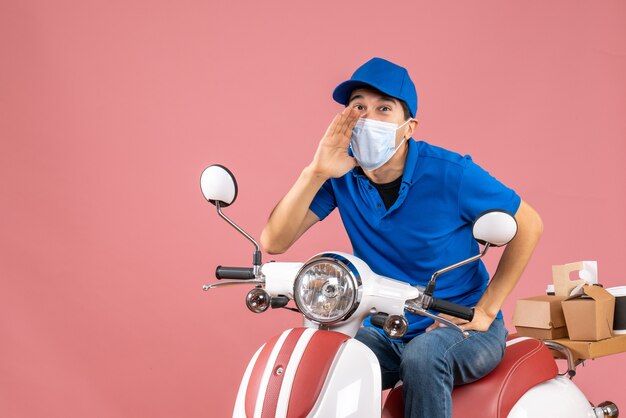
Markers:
point(451, 308)
point(378, 320)
point(243, 273)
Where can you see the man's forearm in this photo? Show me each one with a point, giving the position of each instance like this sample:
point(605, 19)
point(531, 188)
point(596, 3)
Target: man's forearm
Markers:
point(286, 220)
point(513, 261)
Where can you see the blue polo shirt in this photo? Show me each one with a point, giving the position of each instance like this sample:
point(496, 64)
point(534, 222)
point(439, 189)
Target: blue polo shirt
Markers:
point(429, 227)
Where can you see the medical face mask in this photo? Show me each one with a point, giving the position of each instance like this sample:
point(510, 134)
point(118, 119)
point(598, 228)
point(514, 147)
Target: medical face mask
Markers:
point(373, 142)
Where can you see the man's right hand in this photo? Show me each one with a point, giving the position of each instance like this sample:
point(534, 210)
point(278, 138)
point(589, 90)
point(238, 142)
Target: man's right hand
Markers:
point(331, 159)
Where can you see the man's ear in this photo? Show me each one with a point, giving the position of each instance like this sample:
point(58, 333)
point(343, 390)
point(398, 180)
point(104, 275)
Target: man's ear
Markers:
point(412, 127)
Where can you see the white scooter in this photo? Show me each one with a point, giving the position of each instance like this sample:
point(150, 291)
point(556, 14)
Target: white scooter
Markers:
point(320, 371)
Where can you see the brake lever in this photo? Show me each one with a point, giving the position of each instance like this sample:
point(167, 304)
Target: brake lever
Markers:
point(232, 283)
point(415, 308)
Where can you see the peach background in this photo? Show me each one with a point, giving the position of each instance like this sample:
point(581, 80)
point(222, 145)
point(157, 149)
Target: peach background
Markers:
point(109, 111)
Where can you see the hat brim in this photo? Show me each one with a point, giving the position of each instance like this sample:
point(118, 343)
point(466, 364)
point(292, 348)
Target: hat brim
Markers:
point(342, 92)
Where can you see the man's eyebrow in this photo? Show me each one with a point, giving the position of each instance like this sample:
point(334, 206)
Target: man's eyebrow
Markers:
point(381, 99)
point(388, 99)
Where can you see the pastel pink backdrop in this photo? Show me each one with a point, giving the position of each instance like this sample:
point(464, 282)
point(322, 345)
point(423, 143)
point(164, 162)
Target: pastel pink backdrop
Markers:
point(110, 110)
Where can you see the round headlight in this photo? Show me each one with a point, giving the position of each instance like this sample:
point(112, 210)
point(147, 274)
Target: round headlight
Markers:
point(326, 289)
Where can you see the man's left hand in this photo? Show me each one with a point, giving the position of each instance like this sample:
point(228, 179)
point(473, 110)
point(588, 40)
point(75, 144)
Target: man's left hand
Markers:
point(481, 321)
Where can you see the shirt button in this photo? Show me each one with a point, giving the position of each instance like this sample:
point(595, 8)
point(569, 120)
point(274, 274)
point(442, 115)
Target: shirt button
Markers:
point(378, 205)
point(369, 187)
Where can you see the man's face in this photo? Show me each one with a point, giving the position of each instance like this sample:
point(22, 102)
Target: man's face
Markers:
point(375, 105)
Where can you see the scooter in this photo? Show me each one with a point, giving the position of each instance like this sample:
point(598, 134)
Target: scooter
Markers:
point(320, 371)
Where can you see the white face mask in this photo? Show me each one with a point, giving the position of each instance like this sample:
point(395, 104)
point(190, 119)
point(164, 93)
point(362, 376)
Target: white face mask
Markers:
point(373, 142)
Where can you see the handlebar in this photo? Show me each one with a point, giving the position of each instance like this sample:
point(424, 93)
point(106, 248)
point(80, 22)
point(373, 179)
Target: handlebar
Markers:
point(241, 273)
point(451, 308)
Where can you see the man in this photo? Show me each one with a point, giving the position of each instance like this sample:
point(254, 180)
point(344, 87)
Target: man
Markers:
point(408, 209)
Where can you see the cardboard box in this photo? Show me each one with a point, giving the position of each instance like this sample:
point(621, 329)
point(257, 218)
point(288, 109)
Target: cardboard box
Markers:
point(589, 314)
point(540, 317)
point(593, 349)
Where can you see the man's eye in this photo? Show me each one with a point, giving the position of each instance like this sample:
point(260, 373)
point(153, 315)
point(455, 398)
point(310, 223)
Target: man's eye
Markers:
point(385, 108)
point(359, 107)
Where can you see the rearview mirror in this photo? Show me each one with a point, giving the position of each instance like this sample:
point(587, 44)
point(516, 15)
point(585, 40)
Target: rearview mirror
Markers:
point(495, 227)
point(218, 185)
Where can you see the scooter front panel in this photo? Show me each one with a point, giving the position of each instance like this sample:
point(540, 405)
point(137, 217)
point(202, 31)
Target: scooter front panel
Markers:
point(240, 403)
point(261, 373)
point(353, 386)
point(313, 371)
point(277, 372)
point(287, 374)
point(290, 373)
point(257, 378)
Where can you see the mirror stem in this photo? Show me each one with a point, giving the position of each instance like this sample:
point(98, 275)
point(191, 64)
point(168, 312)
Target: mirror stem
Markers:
point(430, 288)
point(256, 256)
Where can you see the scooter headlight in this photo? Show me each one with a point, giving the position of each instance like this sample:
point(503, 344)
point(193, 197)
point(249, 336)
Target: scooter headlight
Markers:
point(327, 289)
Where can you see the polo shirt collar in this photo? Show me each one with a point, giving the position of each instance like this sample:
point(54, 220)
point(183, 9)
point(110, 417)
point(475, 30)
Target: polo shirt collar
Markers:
point(410, 163)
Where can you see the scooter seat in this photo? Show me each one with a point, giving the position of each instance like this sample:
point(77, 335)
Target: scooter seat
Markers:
point(527, 362)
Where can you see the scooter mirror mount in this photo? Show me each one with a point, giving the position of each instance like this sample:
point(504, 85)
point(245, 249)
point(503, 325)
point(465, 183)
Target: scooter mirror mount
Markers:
point(491, 228)
point(219, 187)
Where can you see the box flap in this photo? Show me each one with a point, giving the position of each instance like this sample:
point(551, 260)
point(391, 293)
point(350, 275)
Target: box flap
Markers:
point(594, 292)
point(597, 293)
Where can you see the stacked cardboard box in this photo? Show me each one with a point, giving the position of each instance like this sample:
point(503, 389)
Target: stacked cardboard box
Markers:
point(580, 316)
point(540, 317)
point(589, 314)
